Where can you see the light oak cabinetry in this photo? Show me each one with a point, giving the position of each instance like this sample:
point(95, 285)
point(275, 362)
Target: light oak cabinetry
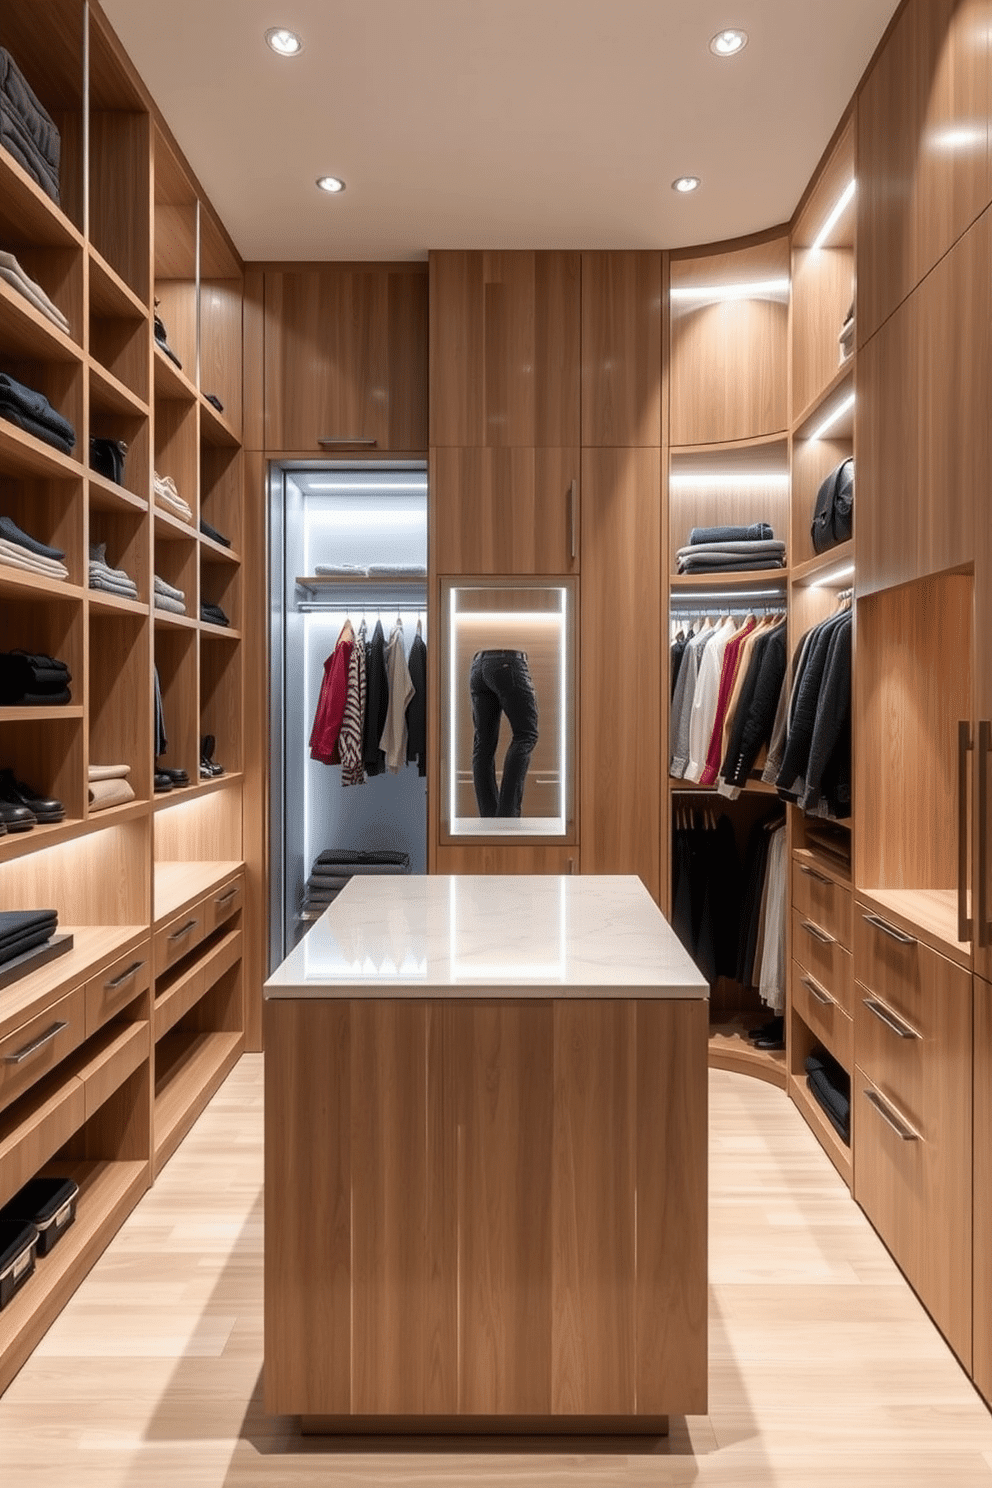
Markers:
point(622, 319)
point(505, 510)
point(346, 358)
point(982, 1234)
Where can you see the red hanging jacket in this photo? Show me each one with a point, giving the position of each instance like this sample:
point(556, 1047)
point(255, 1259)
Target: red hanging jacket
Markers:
point(333, 696)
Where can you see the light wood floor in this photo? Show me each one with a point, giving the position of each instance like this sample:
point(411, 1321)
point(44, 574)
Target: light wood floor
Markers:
point(824, 1370)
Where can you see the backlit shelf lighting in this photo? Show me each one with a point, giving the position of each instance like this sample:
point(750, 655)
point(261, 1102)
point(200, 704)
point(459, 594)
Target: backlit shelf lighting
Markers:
point(832, 418)
point(758, 289)
point(834, 217)
point(696, 480)
point(828, 580)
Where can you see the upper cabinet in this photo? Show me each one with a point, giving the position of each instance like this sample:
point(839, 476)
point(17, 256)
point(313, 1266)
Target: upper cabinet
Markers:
point(923, 148)
point(346, 358)
point(730, 344)
point(622, 370)
point(504, 336)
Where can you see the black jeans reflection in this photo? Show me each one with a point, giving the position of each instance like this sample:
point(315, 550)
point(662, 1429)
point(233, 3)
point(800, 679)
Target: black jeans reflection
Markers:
point(499, 683)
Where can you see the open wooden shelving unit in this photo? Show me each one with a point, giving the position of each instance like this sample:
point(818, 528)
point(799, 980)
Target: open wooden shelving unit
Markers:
point(110, 1101)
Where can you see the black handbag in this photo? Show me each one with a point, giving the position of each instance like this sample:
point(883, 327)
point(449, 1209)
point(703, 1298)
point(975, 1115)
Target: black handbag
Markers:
point(833, 515)
point(107, 458)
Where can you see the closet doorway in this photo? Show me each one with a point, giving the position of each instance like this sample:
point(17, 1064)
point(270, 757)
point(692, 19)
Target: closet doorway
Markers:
point(347, 570)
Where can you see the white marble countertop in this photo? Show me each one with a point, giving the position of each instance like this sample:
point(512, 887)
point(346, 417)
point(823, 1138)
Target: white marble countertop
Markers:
point(490, 936)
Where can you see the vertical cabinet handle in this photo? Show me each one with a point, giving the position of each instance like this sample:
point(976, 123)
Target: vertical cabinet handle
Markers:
point(964, 744)
point(983, 928)
point(573, 519)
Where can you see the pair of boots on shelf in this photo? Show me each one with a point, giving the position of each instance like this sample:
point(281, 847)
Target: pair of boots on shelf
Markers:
point(21, 807)
point(208, 765)
point(167, 780)
point(770, 1035)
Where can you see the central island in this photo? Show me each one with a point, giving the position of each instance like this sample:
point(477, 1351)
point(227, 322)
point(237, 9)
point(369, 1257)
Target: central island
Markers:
point(485, 1161)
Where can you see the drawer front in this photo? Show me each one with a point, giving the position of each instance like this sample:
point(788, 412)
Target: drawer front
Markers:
point(176, 939)
point(908, 976)
point(897, 1058)
point(108, 1070)
point(222, 903)
point(25, 1149)
point(917, 1194)
point(116, 986)
point(820, 953)
point(823, 1016)
point(826, 903)
point(39, 1045)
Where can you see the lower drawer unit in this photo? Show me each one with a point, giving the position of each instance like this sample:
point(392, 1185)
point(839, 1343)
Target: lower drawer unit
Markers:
point(40, 1044)
point(824, 958)
point(823, 1015)
point(820, 899)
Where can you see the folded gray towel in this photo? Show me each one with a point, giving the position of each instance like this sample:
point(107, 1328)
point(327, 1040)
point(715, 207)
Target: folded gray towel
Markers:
point(729, 565)
point(10, 530)
point(18, 557)
point(169, 590)
point(772, 546)
point(755, 533)
point(164, 602)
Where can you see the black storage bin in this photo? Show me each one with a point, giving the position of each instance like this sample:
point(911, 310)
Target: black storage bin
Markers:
point(49, 1204)
point(18, 1243)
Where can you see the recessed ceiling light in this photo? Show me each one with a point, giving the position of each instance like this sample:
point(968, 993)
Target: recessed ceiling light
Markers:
point(285, 43)
point(685, 183)
point(332, 184)
point(728, 43)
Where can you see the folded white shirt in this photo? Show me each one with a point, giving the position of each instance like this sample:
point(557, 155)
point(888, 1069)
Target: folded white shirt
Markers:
point(17, 557)
point(11, 271)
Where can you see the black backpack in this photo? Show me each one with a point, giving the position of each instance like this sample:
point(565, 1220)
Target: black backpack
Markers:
point(833, 515)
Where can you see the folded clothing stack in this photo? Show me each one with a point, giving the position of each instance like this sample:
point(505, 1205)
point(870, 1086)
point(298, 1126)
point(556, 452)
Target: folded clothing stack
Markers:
point(32, 412)
point(372, 570)
point(11, 271)
point(830, 1086)
point(731, 550)
point(33, 681)
point(169, 598)
point(23, 929)
point(109, 786)
point(110, 580)
point(162, 339)
point(213, 614)
point(169, 498)
point(211, 532)
point(337, 866)
point(846, 337)
point(26, 129)
point(21, 807)
point(19, 550)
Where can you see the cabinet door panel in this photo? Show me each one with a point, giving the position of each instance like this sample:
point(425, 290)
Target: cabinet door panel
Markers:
point(982, 1362)
point(504, 348)
point(505, 511)
point(621, 667)
point(621, 349)
point(498, 857)
point(346, 356)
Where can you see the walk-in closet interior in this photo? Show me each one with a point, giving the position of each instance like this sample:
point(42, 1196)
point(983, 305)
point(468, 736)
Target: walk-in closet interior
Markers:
point(543, 561)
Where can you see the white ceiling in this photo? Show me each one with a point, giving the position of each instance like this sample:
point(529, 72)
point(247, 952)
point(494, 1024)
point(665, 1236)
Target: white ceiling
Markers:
point(498, 123)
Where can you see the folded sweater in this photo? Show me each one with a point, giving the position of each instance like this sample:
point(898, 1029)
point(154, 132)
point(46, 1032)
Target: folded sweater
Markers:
point(14, 275)
point(10, 531)
point(27, 130)
point(755, 533)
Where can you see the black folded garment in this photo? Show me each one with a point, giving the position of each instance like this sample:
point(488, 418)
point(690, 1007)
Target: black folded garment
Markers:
point(10, 531)
point(27, 130)
point(322, 871)
point(352, 856)
point(26, 943)
point(211, 532)
point(319, 883)
point(31, 411)
point(38, 681)
point(830, 1085)
point(15, 922)
point(213, 614)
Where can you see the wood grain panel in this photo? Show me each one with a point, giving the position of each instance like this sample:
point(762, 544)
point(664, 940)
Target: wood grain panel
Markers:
point(982, 1247)
point(503, 1058)
point(404, 1234)
point(499, 857)
point(822, 280)
point(620, 704)
point(729, 361)
point(308, 1176)
point(504, 511)
point(671, 1126)
point(594, 1209)
point(923, 148)
point(120, 194)
point(621, 349)
point(504, 348)
point(346, 356)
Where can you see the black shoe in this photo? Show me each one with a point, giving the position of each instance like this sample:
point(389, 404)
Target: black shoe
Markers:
point(17, 818)
point(769, 1043)
point(208, 765)
point(163, 783)
point(16, 793)
point(770, 1030)
point(179, 778)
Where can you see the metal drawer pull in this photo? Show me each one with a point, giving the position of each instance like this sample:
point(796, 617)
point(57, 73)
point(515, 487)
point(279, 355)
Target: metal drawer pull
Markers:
point(125, 976)
point(183, 930)
point(35, 1044)
point(812, 873)
point(226, 898)
point(903, 1132)
point(817, 933)
point(982, 769)
point(887, 1016)
point(964, 749)
point(328, 440)
point(880, 924)
point(573, 518)
point(817, 991)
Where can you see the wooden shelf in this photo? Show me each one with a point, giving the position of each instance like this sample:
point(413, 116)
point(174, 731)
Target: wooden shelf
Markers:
point(190, 1067)
point(831, 868)
point(762, 578)
point(313, 583)
point(723, 447)
point(201, 788)
point(171, 383)
point(184, 989)
point(214, 427)
point(826, 395)
point(20, 584)
point(216, 552)
point(171, 529)
point(106, 495)
point(931, 915)
point(24, 456)
point(126, 811)
point(838, 1151)
point(166, 620)
point(110, 295)
point(108, 1191)
point(753, 787)
point(109, 395)
point(33, 217)
point(41, 715)
point(178, 885)
point(102, 603)
point(808, 574)
point(93, 947)
point(218, 632)
point(731, 1049)
point(26, 333)
point(20, 844)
